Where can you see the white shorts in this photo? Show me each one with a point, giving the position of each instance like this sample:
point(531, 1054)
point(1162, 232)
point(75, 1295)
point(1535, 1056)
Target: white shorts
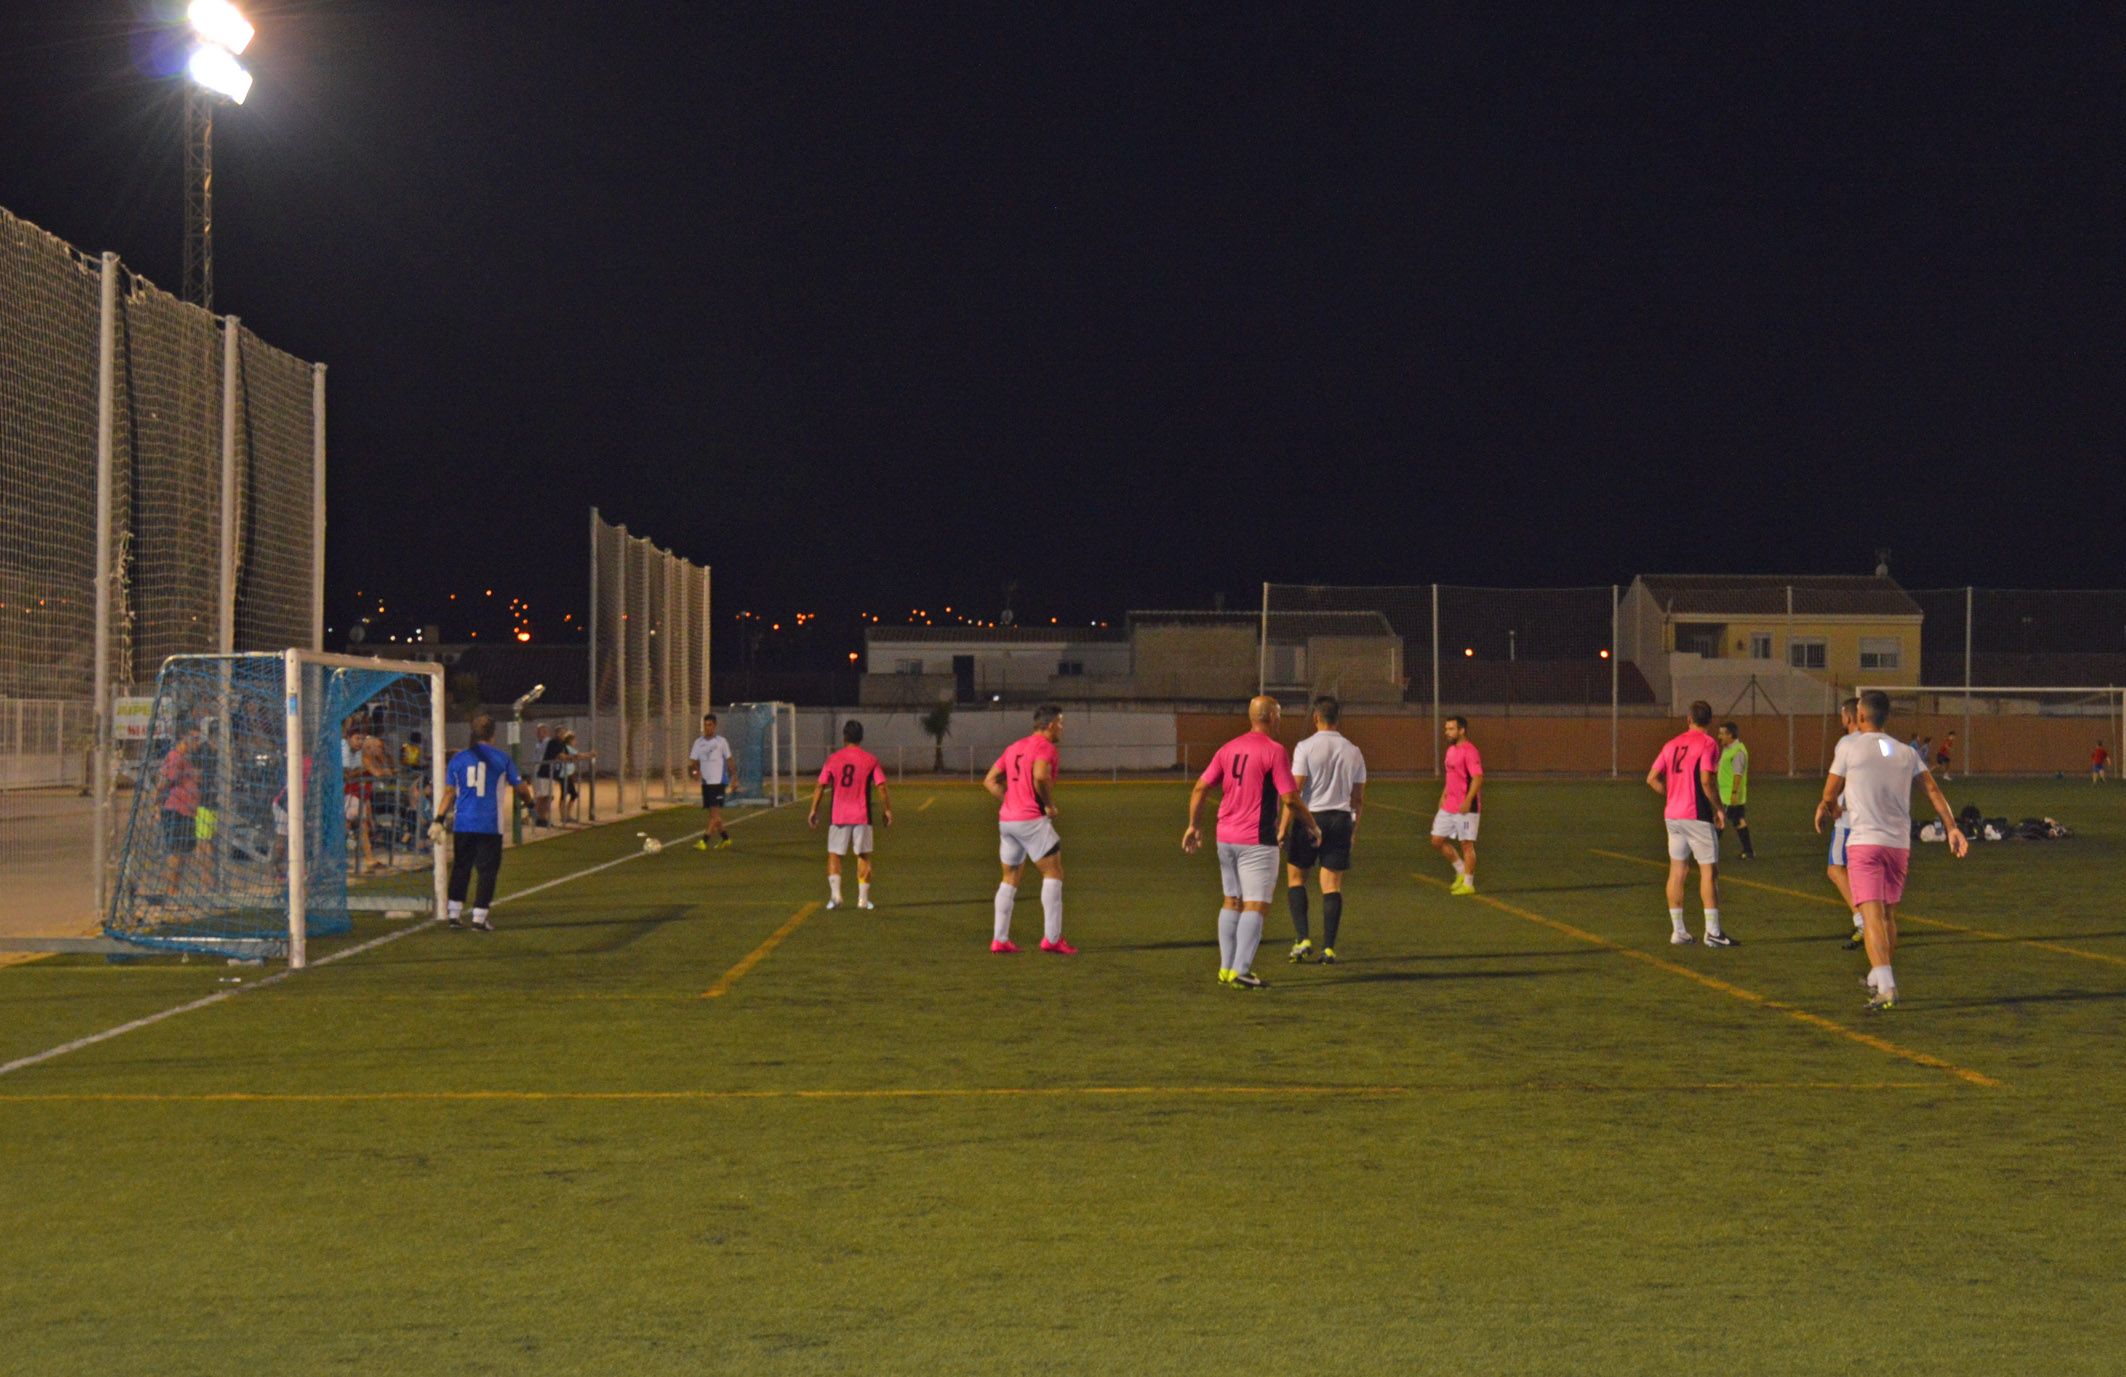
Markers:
point(280, 820)
point(841, 840)
point(542, 787)
point(1249, 872)
point(1032, 840)
point(1689, 839)
point(351, 807)
point(1455, 826)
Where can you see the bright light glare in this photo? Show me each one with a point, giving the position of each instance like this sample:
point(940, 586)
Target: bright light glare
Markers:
point(220, 72)
point(218, 21)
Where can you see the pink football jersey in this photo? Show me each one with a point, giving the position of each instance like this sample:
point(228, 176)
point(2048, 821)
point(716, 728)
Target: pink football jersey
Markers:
point(851, 772)
point(1252, 774)
point(1680, 761)
point(1021, 803)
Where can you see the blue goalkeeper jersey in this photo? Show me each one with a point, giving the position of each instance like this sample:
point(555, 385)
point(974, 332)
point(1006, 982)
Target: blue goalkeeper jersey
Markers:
point(481, 774)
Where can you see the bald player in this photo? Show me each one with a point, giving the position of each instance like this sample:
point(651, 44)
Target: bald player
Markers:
point(1258, 802)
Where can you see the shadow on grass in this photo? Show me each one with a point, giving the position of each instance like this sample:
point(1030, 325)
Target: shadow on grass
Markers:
point(2016, 1001)
point(1405, 978)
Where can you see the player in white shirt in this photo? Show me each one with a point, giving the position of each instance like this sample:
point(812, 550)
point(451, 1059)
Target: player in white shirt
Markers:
point(711, 760)
point(1331, 773)
point(1872, 775)
point(1849, 719)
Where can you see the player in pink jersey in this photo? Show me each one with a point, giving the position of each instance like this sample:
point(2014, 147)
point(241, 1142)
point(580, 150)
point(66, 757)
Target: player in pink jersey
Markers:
point(1023, 784)
point(851, 772)
point(1258, 801)
point(1686, 774)
point(1460, 805)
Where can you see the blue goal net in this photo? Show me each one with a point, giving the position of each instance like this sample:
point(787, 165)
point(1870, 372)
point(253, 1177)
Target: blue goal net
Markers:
point(204, 865)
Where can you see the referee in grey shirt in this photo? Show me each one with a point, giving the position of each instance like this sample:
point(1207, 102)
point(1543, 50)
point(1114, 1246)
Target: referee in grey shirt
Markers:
point(1332, 783)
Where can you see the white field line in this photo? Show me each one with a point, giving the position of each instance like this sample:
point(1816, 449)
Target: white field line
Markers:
point(50, 1053)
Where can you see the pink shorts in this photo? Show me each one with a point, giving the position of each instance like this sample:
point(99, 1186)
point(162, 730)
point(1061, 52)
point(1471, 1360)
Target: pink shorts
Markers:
point(1877, 873)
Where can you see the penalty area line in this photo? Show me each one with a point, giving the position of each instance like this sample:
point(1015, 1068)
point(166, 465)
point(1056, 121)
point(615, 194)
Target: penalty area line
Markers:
point(221, 996)
point(1733, 991)
point(1902, 916)
point(1043, 1092)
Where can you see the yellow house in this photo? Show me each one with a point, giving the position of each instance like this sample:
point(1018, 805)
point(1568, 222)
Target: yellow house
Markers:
point(1798, 635)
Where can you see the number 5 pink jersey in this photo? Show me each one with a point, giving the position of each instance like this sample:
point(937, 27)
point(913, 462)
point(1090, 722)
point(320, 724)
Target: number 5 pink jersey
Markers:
point(851, 772)
point(1021, 804)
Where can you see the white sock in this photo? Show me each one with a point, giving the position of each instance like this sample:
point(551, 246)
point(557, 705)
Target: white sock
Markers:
point(863, 892)
point(1712, 921)
point(1859, 922)
point(1881, 978)
point(834, 888)
point(1228, 930)
point(1007, 895)
point(1052, 910)
point(457, 909)
point(1460, 869)
point(1675, 918)
point(479, 915)
point(1247, 936)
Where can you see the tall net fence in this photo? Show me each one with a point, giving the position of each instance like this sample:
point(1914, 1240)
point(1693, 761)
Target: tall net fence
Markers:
point(649, 669)
point(204, 524)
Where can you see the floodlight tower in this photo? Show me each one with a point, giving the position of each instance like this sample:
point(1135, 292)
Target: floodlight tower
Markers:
point(222, 33)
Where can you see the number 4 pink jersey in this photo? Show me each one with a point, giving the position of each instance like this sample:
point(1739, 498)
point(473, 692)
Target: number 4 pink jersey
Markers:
point(1021, 803)
point(1252, 776)
point(851, 772)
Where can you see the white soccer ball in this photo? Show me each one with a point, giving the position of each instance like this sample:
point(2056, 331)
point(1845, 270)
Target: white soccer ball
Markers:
point(650, 843)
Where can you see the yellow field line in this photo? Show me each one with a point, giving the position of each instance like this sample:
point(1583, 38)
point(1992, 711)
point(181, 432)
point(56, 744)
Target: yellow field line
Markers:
point(924, 806)
point(1371, 804)
point(1902, 916)
point(947, 1093)
point(1794, 1012)
point(759, 954)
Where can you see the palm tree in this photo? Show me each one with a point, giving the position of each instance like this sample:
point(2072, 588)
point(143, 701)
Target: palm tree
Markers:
point(938, 722)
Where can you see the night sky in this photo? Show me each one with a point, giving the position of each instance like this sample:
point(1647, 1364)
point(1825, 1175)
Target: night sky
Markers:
point(888, 306)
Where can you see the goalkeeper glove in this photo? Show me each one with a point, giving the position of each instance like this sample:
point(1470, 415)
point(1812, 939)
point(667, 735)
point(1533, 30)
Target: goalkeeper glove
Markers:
point(438, 830)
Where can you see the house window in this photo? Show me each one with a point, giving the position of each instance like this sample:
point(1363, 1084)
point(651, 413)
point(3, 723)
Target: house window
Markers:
point(1805, 652)
point(1699, 639)
point(1760, 645)
point(1070, 667)
point(1880, 652)
point(907, 666)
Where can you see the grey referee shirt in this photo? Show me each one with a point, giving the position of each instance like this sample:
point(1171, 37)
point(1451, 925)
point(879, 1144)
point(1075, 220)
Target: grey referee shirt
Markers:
point(1330, 765)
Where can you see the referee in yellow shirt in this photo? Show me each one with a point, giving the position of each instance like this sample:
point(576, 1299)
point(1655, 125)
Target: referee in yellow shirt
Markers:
point(1735, 785)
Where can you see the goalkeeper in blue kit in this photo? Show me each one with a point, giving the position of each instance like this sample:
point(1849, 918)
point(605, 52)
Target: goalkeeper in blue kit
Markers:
point(471, 808)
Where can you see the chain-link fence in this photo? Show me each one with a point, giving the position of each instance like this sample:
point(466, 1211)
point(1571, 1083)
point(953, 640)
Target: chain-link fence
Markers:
point(649, 668)
point(160, 493)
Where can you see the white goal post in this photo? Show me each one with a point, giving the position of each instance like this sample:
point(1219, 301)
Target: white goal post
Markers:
point(1974, 709)
point(301, 728)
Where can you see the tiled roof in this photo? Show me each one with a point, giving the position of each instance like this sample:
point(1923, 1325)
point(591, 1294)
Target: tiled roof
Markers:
point(1762, 595)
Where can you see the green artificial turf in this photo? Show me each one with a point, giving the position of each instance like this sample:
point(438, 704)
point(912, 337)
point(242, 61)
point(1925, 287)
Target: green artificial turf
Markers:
point(1486, 1143)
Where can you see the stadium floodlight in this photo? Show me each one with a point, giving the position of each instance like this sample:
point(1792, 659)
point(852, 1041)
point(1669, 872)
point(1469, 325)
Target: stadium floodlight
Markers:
point(220, 23)
point(217, 69)
point(533, 695)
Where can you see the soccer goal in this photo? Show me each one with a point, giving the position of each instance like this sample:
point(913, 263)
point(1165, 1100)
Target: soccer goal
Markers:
point(764, 737)
point(277, 794)
point(2009, 729)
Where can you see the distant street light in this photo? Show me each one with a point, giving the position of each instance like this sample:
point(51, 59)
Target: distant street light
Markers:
point(216, 75)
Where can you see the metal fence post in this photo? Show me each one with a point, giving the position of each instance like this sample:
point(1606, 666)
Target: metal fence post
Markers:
point(591, 810)
point(1438, 767)
point(1970, 597)
point(1791, 772)
point(1262, 647)
point(1615, 681)
point(226, 586)
point(317, 506)
point(106, 412)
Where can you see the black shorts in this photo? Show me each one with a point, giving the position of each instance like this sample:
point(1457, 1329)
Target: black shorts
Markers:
point(712, 795)
point(1738, 813)
point(1334, 853)
point(180, 832)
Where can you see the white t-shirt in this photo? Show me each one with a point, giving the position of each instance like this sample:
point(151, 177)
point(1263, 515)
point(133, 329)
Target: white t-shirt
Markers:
point(1331, 766)
point(712, 754)
point(1878, 771)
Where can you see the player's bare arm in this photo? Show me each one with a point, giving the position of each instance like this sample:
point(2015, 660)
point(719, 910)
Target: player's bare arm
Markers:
point(1827, 806)
point(1192, 839)
point(1476, 790)
point(1654, 779)
point(1295, 807)
point(1358, 805)
point(1044, 781)
point(994, 781)
point(1958, 842)
point(1711, 790)
point(812, 817)
point(885, 801)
